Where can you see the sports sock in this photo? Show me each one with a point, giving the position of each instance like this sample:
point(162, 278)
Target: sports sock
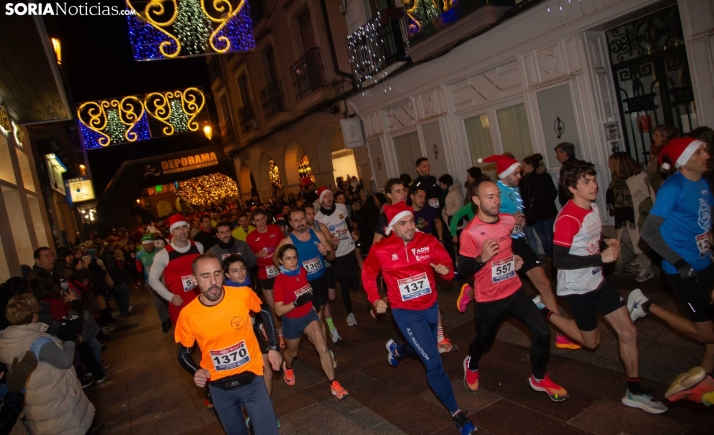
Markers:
point(280, 331)
point(330, 325)
point(439, 334)
point(633, 384)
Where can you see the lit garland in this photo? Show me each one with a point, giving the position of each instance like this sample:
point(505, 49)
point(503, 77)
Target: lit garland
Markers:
point(207, 188)
point(178, 118)
point(304, 169)
point(274, 173)
point(366, 51)
point(115, 128)
point(174, 28)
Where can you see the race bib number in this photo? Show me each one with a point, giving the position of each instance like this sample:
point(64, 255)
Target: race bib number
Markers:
point(301, 291)
point(703, 244)
point(231, 357)
point(434, 202)
point(188, 283)
point(414, 287)
point(312, 266)
point(342, 234)
point(272, 271)
point(503, 269)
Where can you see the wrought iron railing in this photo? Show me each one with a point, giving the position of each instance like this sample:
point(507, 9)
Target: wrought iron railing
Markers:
point(308, 74)
point(378, 44)
point(246, 115)
point(273, 99)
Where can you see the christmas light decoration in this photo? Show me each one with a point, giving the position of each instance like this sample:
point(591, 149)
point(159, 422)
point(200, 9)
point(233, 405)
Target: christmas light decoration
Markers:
point(274, 173)
point(304, 169)
point(177, 110)
point(174, 28)
point(115, 128)
point(207, 188)
point(178, 117)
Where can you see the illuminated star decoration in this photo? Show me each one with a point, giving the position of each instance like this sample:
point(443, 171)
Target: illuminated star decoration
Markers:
point(205, 189)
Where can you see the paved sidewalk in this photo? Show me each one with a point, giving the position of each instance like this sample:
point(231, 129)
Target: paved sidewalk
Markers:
point(147, 392)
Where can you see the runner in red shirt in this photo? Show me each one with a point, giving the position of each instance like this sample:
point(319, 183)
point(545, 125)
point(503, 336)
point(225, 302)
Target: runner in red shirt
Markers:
point(407, 261)
point(485, 250)
point(263, 242)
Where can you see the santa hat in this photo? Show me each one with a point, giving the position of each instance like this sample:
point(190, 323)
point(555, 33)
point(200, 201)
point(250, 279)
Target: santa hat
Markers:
point(321, 191)
point(176, 220)
point(504, 164)
point(147, 239)
point(679, 151)
point(395, 212)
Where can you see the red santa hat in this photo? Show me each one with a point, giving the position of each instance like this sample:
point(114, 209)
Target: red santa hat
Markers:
point(321, 191)
point(504, 164)
point(394, 212)
point(176, 220)
point(679, 151)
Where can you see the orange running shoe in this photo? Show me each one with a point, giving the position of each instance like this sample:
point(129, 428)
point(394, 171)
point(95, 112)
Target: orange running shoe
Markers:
point(446, 346)
point(337, 390)
point(563, 342)
point(690, 386)
point(465, 298)
point(555, 391)
point(470, 377)
point(289, 375)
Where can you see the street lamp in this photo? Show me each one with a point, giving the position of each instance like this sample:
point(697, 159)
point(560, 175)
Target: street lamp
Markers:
point(208, 132)
point(82, 170)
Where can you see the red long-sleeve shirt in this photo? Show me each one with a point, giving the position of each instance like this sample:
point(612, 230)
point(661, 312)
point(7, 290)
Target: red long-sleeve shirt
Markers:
point(407, 271)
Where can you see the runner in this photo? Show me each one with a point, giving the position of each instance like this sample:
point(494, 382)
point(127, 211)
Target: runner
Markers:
point(581, 283)
point(485, 249)
point(407, 262)
point(263, 242)
point(293, 297)
point(244, 228)
point(679, 229)
point(320, 227)
point(231, 363)
point(144, 260)
point(228, 245)
point(174, 263)
point(207, 235)
point(345, 267)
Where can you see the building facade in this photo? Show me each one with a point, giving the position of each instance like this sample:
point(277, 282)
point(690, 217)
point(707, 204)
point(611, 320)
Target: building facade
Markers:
point(598, 73)
point(280, 107)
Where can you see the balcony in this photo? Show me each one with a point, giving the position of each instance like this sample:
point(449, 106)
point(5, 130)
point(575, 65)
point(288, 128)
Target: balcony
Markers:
point(308, 74)
point(379, 47)
point(246, 115)
point(273, 100)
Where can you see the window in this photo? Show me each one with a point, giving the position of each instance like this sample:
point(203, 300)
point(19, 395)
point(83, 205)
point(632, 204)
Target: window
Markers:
point(306, 31)
point(515, 135)
point(37, 220)
point(225, 118)
point(267, 60)
point(408, 150)
point(25, 170)
point(7, 173)
point(478, 133)
point(243, 90)
point(18, 225)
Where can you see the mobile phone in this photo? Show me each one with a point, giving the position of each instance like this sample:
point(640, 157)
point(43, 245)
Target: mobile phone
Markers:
point(65, 287)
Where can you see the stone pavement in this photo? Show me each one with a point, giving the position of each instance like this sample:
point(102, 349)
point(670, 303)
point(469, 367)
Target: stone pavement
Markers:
point(147, 392)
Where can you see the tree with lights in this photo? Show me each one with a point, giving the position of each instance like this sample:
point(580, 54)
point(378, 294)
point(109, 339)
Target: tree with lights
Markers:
point(115, 127)
point(178, 118)
point(192, 27)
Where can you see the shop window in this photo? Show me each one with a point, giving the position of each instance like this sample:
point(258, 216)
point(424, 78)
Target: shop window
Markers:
point(25, 170)
point(6, 170)
point(515, 134)
point(478, 133)
point(37, 221)
point(18, 225)
point(408, 150)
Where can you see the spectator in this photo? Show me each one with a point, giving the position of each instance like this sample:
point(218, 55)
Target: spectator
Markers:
point(15, 380)
point(13, 286)
point(661, 137)
point(121, 291)
point(406, 180)
point(539, 193)
point(565, 153)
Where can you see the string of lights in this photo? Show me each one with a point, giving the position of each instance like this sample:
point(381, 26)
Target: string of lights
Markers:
point(207, 188)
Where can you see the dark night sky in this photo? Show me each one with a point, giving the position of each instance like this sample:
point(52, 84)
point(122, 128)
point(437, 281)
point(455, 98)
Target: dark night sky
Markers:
point(98, 61)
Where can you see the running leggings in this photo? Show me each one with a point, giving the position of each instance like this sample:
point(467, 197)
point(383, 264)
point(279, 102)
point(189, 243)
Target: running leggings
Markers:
point(419, 329)
point(522, 308)
point(254, 397)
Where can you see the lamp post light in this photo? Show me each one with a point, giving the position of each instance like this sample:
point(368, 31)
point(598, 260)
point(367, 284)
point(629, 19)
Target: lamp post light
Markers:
point(208, 131)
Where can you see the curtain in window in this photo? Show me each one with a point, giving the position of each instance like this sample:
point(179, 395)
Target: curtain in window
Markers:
point(408, 150)
point(515, 134)
point(478, 133)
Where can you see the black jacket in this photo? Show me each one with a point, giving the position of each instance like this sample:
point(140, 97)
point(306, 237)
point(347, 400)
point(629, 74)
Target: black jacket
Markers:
point(110, 262)
point(207, 239)
point(431, 187)
point(538, 191)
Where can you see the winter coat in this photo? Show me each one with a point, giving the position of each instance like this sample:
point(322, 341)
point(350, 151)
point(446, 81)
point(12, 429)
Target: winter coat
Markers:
point(539, 193)
point(54, 401)
point(640, 190)
point(453, 202)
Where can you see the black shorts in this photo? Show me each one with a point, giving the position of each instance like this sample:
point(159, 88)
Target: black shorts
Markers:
point(330, 278)
point(605, 300)
point(319, 290)
point(267, 284)
point(521, 248)
point(696, 299)
point(346, 266)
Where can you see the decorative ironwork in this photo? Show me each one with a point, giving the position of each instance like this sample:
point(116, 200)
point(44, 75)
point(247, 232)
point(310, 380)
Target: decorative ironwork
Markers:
point(558, 126)
point(246, 115)
point(308, 74)
point(645, 36)
point(272, 99)
point(177, 110)
point(164, 29)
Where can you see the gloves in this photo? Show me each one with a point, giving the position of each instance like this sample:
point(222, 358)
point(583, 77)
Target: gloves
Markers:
point(686, 272)
point(303, 299)
point(20, 371)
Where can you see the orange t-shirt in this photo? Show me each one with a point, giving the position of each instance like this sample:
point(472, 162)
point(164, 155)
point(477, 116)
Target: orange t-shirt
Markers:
point(224, 333)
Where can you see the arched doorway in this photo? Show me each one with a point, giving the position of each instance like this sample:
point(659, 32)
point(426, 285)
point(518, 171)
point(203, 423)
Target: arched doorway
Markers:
point(297, 167)
point(342, 160)
point(245, 182)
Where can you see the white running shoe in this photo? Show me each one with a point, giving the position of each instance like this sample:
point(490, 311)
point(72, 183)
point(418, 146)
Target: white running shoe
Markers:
point(335, 336)
point(644, 275)
point(643, 401)
point(351, 321)
point(634, 304)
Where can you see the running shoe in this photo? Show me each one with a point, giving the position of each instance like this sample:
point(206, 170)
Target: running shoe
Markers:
point(334, 361)
point(392, 353)
point(337, 390)
point(563, 342)
point(87, 382)
point(690, 386)
point(464, 298)
point(351, 321)
point(539, 303)
point(104, 365)
point(465, 426)
point(99, 381)
point(288, 375)
point(335, 336)
point(470, 376)
point(643, 401)
point(208, 403)
point(634, 304)
point(446, 346)
point(282, 342)
point(555, 391)
point(166, 326)
point(644, 275)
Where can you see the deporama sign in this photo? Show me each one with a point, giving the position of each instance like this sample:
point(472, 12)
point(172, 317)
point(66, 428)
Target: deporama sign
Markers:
point(189, 163)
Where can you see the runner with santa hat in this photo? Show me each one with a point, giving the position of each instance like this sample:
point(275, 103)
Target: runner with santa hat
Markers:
point(174, 263)
point(407, 261)
point(679, 229)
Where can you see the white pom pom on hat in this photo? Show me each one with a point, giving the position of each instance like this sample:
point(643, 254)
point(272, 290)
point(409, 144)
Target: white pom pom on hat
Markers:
point(679, 151)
